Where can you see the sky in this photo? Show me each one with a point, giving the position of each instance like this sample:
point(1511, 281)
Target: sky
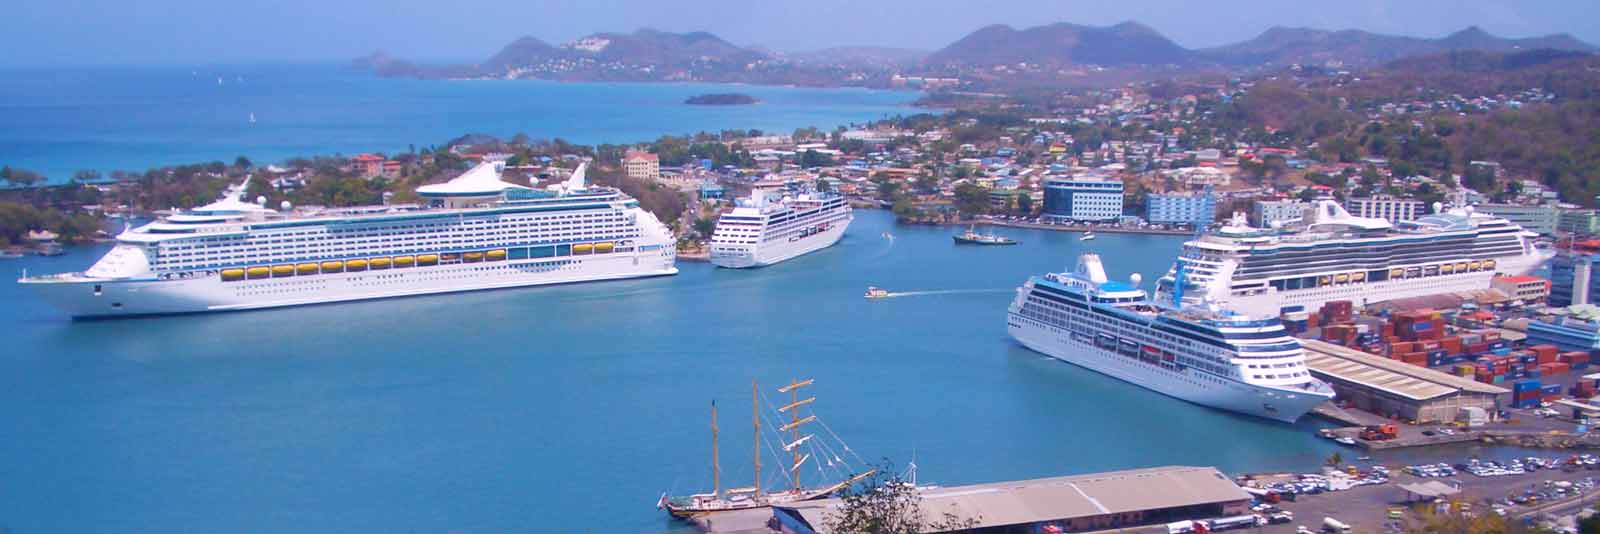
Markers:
point(100, 32)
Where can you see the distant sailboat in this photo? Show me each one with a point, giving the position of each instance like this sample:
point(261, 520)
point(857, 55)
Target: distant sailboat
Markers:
point(219, 80)
point(252, 117)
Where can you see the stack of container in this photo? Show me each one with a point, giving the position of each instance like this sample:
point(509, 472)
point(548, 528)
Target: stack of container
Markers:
point(1418, 325)
point(1576, 360)
point(1526, 394)
point(1550, 393)
point(1584, 389)
point(1337, 311)
point(1553, 369)
point(1340, 334)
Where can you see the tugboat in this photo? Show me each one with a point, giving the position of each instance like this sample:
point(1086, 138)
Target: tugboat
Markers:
point(876, 293)
point(972, 237)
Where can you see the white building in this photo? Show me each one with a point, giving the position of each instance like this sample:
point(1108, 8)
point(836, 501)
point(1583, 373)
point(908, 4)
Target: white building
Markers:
point(1266, 212)
point(642, 165)
point(1385, 207)
point(1083, 198)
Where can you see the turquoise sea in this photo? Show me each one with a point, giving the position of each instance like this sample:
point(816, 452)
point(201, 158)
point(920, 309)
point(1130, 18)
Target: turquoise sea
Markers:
point(570, 408)
point(59, 120)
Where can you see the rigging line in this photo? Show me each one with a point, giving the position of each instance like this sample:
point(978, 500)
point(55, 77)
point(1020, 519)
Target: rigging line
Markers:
point(840, 440)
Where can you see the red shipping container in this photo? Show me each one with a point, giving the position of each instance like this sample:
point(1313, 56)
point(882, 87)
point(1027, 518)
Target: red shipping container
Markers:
point(1570, 358)
point(1551, 398)
point(1477, 348)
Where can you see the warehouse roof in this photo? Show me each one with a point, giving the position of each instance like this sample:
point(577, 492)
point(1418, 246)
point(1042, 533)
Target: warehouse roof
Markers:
point(1051, 499)
point(1399, 378)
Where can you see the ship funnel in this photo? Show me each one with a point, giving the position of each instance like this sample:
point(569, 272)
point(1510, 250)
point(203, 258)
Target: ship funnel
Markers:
point(578, 181)
point(1090, 267)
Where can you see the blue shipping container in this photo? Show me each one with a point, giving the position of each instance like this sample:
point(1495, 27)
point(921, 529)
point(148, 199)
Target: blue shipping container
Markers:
point(1526, 385)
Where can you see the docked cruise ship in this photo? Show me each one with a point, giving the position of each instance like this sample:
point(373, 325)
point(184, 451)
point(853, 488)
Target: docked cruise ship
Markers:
point(1332, 255)
point(1199, 354)
point(474, 232)
point(773, 225)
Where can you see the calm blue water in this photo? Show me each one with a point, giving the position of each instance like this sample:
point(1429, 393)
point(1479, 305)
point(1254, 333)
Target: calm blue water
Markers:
point(569, 407)
point(57, 121)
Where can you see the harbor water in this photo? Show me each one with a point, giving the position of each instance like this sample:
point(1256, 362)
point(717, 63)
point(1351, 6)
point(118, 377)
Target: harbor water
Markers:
point(57, 121)
point(572, 407)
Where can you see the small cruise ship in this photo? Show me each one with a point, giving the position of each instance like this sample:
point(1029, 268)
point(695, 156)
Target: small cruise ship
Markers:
point(474, 232)
point(1200, 354)
point(1330, 254)
point(775, 224)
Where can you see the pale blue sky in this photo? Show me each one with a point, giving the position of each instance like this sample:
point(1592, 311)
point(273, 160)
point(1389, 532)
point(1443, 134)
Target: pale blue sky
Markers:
point(37, 32)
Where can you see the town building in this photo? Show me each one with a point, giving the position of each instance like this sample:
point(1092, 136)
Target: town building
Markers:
point(642, 165)
point(1578, 222)
point(367, 165)
point(1082, 198)
point(1199, 176)
point(1385, 207)
point(1268, 213)
point(1572, 279)
point(1198, 209)
point(1539, 218)
point(1076, 503)
point(1394, 388)
point(1526, 288)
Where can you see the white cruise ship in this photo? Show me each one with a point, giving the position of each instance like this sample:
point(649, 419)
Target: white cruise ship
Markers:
point(772, 226)
point(1333, 255)
point(1199, 354)
point(475, 232)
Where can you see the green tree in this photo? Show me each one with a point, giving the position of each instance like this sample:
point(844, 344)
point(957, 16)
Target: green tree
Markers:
point(886, 504)
point(972, 199)
point(704, 227)
point(1024, 204)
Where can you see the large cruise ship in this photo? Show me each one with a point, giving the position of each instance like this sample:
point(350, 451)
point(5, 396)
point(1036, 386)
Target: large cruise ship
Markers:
point(773, 225)
point(1332, 255)
point(474, 232)
point(1199, 354)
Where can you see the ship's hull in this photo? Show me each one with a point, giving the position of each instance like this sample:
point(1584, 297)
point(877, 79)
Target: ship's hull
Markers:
point(94, 298)
point(1279, 404)
point(773, 252)
point(969, 241)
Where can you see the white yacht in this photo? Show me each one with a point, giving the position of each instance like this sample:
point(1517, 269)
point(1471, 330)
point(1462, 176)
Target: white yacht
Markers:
point(1203, 355)
point(1330, 254)
point(774, 225)
point(474, 232)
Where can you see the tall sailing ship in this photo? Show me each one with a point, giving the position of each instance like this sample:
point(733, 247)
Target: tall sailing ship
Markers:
point(1201, 354)
point(801, 448)
point(1330, 254)
point(474, 232)
point(774, 225)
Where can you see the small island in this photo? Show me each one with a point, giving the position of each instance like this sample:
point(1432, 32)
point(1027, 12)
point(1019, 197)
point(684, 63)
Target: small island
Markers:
point(721, 99)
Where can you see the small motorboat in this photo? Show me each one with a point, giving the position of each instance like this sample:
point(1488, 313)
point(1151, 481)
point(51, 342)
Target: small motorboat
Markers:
point(1087, 236)
point(876, 293)
point(1345, 441)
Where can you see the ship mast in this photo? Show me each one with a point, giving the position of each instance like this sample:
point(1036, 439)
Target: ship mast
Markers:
point(793, 389)
point(755, 417)
point(716, 467)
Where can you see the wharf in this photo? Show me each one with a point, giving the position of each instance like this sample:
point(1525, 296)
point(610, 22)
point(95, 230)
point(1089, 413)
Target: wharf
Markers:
point(695, 255)
point(1076, 228)
point(752, 521)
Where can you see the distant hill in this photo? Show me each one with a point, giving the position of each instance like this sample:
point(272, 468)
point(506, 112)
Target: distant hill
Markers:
point(524, 51)
point(1128, 43)
point(1284, 46)
point(861, 56)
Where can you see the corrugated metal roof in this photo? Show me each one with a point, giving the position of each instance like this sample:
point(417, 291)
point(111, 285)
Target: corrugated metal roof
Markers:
point(1049, 499)
point(1399, 378)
